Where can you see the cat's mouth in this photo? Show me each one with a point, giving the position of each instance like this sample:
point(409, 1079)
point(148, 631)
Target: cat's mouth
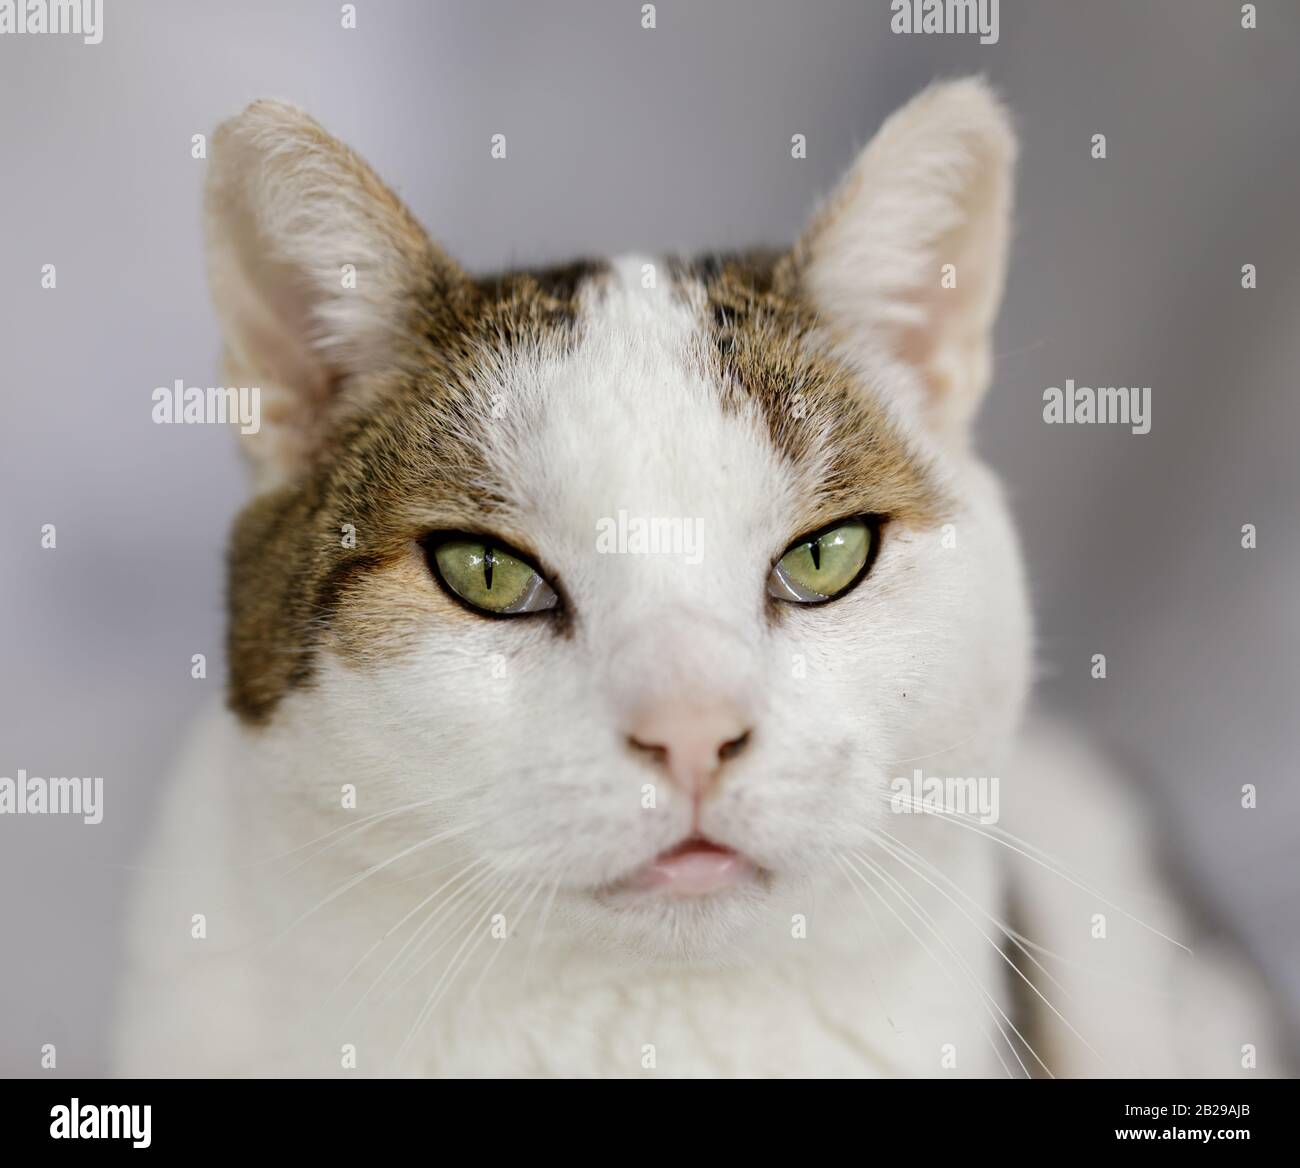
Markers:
point(695, 867)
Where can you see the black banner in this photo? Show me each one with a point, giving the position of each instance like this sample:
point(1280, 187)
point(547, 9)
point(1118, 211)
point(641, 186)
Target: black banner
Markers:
point(341, 1117)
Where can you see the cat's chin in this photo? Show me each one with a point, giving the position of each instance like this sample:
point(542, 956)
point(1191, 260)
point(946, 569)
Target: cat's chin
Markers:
point(662, 928)
point(692, 903)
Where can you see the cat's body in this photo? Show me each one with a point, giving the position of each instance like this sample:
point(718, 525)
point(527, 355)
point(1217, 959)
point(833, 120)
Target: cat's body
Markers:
point(240, 1003)
point(864, 994)
point(647, 827)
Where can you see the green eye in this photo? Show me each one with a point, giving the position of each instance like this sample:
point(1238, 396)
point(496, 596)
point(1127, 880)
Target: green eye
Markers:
point(821, 566)
point(486, 576)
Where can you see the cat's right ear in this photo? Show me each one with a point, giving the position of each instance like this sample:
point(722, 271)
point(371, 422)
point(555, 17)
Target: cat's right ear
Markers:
point(316, 270)
point(905, 262)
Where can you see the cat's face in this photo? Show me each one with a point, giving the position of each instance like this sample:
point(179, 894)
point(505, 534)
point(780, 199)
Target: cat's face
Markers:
point(519, 563)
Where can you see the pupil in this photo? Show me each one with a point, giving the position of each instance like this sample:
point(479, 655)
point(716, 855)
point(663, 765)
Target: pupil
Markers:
point(487, 568)
point(815, 550)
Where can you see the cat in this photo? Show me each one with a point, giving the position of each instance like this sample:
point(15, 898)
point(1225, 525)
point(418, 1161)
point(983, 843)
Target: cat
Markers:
point(495, 792)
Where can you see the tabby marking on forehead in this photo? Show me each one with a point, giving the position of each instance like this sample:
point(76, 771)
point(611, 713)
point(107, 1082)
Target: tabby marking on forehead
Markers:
point(767, 348)
point(419, 455)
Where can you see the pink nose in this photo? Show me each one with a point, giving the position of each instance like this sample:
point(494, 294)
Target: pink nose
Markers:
point(691, 741)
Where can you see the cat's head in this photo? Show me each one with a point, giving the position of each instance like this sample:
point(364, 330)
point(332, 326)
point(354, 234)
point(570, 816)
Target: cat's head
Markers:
point(636, 581)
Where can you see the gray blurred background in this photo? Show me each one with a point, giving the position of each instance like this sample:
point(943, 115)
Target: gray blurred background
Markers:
point(1125, 271)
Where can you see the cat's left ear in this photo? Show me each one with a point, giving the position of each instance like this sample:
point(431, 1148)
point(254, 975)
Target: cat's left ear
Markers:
point(907, 258)
point(319, 275)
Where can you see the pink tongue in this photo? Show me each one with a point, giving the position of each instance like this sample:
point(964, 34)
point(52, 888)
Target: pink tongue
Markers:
point(695, 869)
